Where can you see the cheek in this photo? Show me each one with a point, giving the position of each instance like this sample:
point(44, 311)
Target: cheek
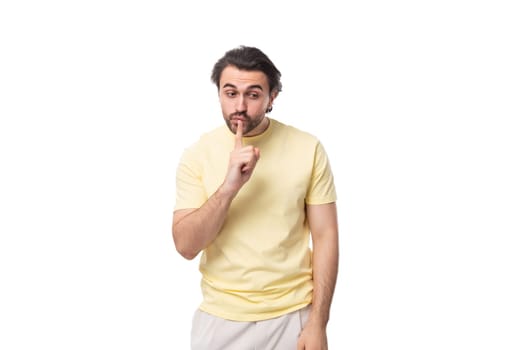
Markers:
point(258, 107)
point(226, 105)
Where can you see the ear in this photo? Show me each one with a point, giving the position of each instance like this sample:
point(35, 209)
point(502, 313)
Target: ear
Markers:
point(273, 95)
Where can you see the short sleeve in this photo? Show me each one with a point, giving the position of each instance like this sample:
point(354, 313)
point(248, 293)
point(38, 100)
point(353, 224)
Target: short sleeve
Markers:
point(321, 189)
point(189, 188)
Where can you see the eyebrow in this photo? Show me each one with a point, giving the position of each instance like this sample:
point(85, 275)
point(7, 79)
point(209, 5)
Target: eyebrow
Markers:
point(255, 86)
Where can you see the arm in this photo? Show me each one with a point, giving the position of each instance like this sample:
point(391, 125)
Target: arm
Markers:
point(323, 225)
point(194, 229)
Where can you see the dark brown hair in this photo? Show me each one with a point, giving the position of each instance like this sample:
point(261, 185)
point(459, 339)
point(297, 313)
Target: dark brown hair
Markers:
point(250, 59)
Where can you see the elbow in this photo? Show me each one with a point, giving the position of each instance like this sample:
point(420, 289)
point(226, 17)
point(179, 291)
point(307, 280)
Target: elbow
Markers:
point(184, 245)
point(184, 250)
point(186, 253)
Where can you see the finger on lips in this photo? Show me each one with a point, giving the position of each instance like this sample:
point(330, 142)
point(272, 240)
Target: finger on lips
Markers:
point(254, 153)
point(238, 135)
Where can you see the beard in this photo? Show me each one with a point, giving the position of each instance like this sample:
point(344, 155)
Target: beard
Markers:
point(249, 123)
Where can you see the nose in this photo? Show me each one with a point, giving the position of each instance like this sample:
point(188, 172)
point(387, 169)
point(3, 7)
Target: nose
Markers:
point(240, 104)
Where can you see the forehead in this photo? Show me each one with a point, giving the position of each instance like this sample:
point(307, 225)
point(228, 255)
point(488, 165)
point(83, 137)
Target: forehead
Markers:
point(243, 79)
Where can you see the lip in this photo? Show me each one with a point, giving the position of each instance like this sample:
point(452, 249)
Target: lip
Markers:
point(235, 121)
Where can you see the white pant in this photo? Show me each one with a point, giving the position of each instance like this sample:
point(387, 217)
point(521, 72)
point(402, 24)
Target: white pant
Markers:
point(214, 333)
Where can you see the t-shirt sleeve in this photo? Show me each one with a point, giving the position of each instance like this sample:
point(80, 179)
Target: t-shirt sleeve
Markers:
point(190, 192)
point(322, 188)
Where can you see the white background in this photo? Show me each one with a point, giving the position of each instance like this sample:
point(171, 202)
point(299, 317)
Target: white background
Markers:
point(419, 104)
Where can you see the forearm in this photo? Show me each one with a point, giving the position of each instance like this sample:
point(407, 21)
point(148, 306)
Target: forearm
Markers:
point(323, 225)
point(196, 230)
point(325, 266)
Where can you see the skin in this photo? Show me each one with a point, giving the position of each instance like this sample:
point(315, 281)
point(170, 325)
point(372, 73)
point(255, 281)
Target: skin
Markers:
point(322, 220)
point(245, 97)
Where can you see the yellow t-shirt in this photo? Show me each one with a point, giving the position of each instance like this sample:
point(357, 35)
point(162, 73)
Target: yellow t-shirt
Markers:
point(259, 266)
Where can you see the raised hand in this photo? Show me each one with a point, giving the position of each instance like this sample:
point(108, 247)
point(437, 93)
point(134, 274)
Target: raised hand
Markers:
point(242, 162)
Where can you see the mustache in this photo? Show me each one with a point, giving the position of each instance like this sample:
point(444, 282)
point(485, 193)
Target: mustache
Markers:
point(241, 114)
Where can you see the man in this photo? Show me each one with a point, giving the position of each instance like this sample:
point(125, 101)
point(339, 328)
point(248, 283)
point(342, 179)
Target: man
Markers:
point(249, 194)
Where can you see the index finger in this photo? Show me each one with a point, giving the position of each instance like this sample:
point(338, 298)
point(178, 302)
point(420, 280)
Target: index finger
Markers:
point(238, 135)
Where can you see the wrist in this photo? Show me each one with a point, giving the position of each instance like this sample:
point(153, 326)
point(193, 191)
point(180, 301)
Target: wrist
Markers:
point(318, 319)
point(226, 192)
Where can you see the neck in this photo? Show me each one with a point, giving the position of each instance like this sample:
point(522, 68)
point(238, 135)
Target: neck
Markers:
point(259, 129)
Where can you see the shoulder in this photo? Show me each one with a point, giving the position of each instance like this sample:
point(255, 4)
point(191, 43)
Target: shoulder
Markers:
point(217, 134)
point(294, 133)
point(198, 151)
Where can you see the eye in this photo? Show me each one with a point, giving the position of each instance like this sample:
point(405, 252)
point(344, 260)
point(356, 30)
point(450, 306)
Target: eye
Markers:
point(230, 93)
point(253, 95)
